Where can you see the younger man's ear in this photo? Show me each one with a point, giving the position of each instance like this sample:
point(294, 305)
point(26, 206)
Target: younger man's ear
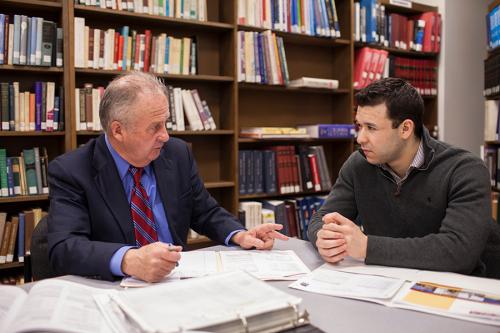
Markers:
point(407, 128)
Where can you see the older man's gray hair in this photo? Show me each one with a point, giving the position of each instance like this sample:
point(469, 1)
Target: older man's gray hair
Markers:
point(122, 93)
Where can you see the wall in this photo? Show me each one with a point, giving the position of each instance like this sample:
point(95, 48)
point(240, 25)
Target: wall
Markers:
point(461, 74)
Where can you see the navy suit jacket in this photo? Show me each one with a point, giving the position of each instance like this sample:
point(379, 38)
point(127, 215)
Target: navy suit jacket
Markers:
point(89, 217)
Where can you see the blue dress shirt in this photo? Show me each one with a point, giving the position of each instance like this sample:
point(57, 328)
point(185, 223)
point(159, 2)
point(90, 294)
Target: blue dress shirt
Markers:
point(148, 181)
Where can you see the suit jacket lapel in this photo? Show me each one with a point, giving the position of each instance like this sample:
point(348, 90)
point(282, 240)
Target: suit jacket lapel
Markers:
point(165, 181)
point(110, 186)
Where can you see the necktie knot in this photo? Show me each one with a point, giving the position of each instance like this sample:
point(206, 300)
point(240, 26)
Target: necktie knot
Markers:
point(136, 174)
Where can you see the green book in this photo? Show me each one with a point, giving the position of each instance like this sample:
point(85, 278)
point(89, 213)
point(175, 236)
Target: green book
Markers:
point(29, 165)
point(4, 188)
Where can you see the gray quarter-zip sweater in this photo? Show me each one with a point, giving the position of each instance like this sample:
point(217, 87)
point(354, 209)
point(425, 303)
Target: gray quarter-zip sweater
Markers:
point(439, 218)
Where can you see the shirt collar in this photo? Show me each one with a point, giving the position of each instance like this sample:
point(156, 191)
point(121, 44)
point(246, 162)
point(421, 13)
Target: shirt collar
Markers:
point(417, 162)
point(121, 164)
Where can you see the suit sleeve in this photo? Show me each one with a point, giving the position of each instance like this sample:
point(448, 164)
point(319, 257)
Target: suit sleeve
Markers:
point(71, 250)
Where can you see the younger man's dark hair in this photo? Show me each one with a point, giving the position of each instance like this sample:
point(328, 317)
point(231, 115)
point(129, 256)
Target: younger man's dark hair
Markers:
point(402, 100)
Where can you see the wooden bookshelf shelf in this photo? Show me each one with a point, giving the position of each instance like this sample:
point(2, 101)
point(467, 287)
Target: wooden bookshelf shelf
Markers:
point(96, 12)
point(221, 184)
point(398, 52)
point(37, 69)
point(294, 90)
point(15, 264)
point(277, 195)
point(31, 133)
point(494, 96)
point(196, 133)
point(173, 77)
point(45, 5)
point(416, 8)
point(173, 133)
point(294, 140)
point(298, 38)
point(24, 198)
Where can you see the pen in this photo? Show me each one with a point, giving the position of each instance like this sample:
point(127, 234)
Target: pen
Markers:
point(171, 249)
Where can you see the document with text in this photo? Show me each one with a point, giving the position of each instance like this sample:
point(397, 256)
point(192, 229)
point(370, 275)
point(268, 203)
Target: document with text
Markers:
point(51, 306)
point(447, 294)
point(265, 265)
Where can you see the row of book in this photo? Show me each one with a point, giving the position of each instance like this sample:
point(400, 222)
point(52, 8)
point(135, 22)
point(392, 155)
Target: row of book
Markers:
point(369, 66)
point(492, 75)
point(311, 17)
point(183, 104)
point(25, 174)
point(15, 234)
point(186, 9)
point(317, 131)
point(261, 58)
point(283, 170)
point(294, 213)
point(491, 120)
point(372, 64)
point(418, 33)
point(493, 27)
point(491, 157)
point(30, 41)
point(41, 110)
point(130, 50)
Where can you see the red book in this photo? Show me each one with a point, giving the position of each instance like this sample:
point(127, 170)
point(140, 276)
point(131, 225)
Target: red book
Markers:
point(120, 53)
point(315, 173)
point(147, 50)
point(361, 66)
point(290, 219)
point(115, 53)
point(429, 26)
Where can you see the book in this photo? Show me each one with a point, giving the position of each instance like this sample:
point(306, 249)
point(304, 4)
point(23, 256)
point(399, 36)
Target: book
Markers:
point(338, 131)
point(227, 302)
point(273, 132)
point(51, 306)
point(312, 82)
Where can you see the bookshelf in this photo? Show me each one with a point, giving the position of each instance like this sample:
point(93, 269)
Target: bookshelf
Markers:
point(430, 101)
point(491, 147)
point(233, 104)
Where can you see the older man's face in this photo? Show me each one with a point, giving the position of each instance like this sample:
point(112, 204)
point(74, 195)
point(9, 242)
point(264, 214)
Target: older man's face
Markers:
point(146, 134)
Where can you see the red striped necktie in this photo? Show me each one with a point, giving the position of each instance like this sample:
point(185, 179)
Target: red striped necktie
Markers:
point(142, 212)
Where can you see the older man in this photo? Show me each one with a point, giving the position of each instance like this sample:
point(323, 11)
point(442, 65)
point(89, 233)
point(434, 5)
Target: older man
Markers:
point(119, 203)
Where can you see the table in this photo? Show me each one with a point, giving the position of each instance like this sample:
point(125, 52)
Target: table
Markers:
point(336, 314)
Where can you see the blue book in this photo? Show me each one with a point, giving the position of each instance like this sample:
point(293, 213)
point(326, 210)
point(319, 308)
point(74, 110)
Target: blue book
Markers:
point(250, 175)
point(242, 175)
point(2, 37)
point(324, 19)
point(10, 177)
point(125, 45)
point(258, 166)
point(38, 106)
point(56, 112)
point(17, 40)
point(262, 62)
point(20, 238)
point(167, 53)
point(269, 167)
point(33, 22)
point(256, 51)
